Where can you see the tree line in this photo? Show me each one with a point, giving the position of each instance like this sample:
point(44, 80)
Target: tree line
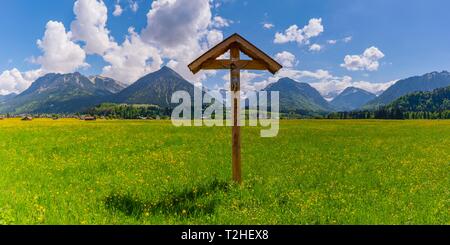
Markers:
point(419, 105)
point(129, 111)
point(388, 113)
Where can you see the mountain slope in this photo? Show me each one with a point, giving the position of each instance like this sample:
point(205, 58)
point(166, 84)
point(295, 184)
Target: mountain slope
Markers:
point(427, 82)
point(107, 84)
point(155, 88)
point(298, 97)
point(434, 101)
point(58, 93)
point(351, 98)
point(7, 97)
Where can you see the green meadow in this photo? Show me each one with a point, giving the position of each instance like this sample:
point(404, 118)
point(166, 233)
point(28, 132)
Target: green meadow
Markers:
point(149, 172)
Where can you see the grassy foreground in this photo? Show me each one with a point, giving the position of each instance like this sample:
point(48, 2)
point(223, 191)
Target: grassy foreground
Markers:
point(150, 172)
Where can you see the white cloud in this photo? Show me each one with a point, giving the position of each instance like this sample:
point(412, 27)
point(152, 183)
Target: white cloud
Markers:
point(290, 35)
point(301, 36)
point(131, 60)
point(347, 39)
point(134, 6)
point(314, 28)
point(117, 10)
point(315, 47)
point(127, 61)
point(300, 75)
point(331, 86)
point(214, 37)
point(172, 64)
point(286, 59)
point(90, 26)
point(332, 41)
point(189, 36)
point(337, 85)
point(367, 61)
point(14, 81)
point(193, 31)
point(268, 26)
point(219, 22)
point(318, 74)
point(185, 22)
point(60, 53)
point(216, 4)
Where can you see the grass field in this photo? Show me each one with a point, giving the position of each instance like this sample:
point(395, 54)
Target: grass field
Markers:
point(149, 172)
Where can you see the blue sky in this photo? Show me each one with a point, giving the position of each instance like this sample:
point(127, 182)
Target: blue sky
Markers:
point(402, 38)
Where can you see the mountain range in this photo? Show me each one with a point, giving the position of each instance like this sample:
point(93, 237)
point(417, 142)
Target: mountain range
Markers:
point(74, 92)
point(155, 88)
point(298, 97)
point(437, 100)
point(351, 99)
point(61, 93)
point(427, 82)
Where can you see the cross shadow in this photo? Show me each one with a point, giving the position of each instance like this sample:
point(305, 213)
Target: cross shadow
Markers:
point(193, 202)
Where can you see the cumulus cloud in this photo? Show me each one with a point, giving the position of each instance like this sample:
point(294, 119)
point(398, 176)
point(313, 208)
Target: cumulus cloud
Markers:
point(193, 30)
point(117, 10)
point(14, 81)
point(185, 22)
point(300, 35)
point(268, 26)
point(315, 47)
point(60, 53)
point(219, 22)
point(286, 59)
point(367, 61)
point(190, 34)
point(127, 61)
point(132, 59)
point(90, 26)
point(314, 28)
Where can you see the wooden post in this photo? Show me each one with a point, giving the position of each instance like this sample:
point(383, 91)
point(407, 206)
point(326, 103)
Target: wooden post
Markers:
point(235, 112)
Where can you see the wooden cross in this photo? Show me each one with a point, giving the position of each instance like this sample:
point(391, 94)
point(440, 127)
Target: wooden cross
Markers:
point(260, 61)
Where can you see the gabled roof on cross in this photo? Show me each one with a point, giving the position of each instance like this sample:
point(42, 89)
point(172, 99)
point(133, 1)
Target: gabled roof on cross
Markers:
point(260, 59)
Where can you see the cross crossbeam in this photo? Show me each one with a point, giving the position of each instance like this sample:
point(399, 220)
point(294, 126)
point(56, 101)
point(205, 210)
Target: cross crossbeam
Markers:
point(227, 64)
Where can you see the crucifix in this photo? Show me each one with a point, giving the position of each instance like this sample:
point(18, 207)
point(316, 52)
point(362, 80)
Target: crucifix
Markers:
point(259, 61)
